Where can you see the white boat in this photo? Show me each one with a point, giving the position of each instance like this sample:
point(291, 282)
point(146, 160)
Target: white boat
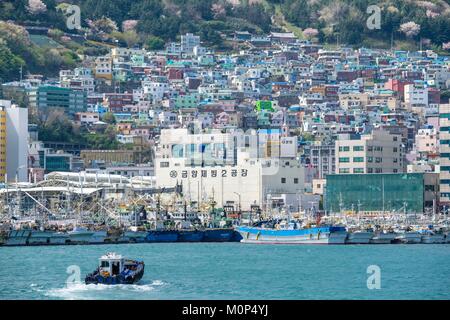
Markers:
point(315, 235)
point(409, 237)
point(359, 237)
point(98, 237)
point(431, 238)
point(80, 235)
point(383, 238)
point(17, 238)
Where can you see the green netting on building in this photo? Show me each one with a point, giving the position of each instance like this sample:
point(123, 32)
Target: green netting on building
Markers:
point(365, 192)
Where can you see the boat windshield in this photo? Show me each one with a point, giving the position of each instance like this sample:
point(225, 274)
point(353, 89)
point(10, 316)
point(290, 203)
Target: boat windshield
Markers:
point(104, 264)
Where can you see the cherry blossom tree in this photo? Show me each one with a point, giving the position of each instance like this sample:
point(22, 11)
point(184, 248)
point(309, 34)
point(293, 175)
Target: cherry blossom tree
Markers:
point(410, 29)
point(310, 33)
point(129, 25)
point(36, 7)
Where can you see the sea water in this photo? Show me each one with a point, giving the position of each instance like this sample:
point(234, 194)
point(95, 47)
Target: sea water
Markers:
point(232, 271)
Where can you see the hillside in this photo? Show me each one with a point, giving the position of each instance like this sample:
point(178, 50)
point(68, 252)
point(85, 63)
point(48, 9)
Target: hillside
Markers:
point(153, 22)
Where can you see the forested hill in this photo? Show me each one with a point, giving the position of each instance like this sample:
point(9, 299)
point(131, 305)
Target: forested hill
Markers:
point(152, 22)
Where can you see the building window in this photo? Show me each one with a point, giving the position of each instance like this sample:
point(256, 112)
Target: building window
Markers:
point(344, 170)
point(296, 180)
point(358, 170)
point(358, 148)
point(283, 180)
point(344, 160)
point(358, 159)
point(164, 164)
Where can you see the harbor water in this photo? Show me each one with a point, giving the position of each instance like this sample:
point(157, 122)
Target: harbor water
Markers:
point(232, 271)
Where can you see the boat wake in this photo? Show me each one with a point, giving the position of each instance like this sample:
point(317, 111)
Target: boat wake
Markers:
point(81, 291)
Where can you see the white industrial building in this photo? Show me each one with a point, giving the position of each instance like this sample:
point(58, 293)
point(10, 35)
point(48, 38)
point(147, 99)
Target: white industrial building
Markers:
point(242, 169)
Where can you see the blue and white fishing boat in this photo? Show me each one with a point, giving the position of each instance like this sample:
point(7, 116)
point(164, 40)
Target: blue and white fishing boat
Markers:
point(292, 233)
point(114, 269)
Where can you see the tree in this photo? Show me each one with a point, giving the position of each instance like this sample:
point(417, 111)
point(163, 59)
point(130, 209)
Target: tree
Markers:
point(36, 7)
point(155, 43)
point(410, 29)
point(310, 33)
point(109, 118)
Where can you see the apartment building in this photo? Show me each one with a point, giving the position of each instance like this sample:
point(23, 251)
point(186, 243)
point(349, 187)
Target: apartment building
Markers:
point(444, 149)
point(2, 144)
point(377, 152)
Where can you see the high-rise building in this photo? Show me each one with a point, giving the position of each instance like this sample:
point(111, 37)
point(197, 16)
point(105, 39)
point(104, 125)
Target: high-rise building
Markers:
point(16, 141)
point(444, 150)
point(378, 152)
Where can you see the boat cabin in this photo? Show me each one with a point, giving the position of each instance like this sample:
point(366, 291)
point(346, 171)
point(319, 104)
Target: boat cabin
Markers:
point(111, 263)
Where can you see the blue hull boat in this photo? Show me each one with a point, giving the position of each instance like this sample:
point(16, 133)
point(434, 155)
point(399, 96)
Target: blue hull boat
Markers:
point(190, 236)
point(218, 235)
point(162, 236)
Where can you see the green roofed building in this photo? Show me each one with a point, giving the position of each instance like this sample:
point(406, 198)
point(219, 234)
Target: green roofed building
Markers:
point(264, 105)
point(381, 192)
point(69, 100)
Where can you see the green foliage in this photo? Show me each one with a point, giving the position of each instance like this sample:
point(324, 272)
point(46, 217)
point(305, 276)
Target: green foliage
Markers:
point(154, 43)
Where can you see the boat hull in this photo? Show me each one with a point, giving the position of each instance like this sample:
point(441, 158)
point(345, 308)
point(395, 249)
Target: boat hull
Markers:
point(17, 238)
point(410, 237)
point(190, 236)
point(433, 238)
point(321, 235)
point(119, 279)
point(359, 237)
point(383, 238)
point(218, 235)
point(161, 236)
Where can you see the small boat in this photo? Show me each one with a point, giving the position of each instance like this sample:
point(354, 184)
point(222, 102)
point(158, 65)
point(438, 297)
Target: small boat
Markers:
point(114, 269)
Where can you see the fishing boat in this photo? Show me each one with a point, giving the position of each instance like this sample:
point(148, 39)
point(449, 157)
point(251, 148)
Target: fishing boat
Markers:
point(293, 233)
point(218, 235)
point(114, 269)
point(431, 237)
point(98, 237)
point(40, 237)
point(80, 235)
point(58, 238)
point(134, 235)
point(359, 237)
point(18, 237)
point(162, 236)
point(382, 237)
point(409, 237)
point(190, 236)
